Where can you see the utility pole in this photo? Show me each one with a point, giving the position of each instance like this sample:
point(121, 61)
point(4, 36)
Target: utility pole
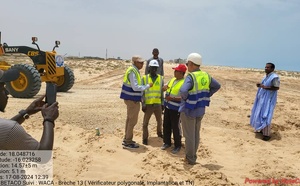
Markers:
point(106, 54)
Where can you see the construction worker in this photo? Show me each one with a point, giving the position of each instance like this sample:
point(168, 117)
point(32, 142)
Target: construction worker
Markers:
point(172, 101)
point(195, 93)
point(132, 91)
point(152, 100)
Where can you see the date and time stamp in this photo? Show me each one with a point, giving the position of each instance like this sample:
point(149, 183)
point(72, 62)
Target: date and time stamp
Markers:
point(36, 168)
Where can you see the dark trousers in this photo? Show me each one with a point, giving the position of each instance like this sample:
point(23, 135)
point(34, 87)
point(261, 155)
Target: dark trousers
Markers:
point(171, 124)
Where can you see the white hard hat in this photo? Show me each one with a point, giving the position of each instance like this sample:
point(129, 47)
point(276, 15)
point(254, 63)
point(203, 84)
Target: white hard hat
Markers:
point(195, 58)
point(153, 63)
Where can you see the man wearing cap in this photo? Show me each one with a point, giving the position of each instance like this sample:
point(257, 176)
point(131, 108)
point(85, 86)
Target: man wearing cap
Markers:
point(195, 92)
point(12, 134)
point(152, 100)
point(171, 115)
point(160, 69)
point(132, 91)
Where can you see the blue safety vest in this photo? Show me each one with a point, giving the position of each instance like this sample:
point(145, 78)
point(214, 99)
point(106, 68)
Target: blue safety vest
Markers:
point(199, 96)
point(127, 92)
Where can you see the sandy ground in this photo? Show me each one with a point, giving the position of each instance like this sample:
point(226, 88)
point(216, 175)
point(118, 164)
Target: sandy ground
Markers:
point(229, 153)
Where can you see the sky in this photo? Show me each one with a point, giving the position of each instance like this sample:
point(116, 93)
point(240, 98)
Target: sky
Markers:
point(237, 33)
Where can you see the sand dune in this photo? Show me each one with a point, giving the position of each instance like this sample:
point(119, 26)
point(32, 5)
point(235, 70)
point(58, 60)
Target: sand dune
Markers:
point(229, 152)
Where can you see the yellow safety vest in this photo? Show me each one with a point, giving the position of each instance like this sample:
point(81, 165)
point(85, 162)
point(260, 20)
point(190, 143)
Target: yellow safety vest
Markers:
point(173, 91)
point(153, 94)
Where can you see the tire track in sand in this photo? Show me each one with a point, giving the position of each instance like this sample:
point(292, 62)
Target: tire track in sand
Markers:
point(106, 80)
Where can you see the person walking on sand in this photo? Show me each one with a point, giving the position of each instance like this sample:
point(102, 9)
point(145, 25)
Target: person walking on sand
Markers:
point(265, 102)
point(132, 90)
point(160, 69)
point(152, 100)
point(172, 101)
point(195, 93)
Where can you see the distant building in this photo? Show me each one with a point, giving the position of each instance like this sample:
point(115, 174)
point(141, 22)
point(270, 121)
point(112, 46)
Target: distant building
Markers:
point(112, 58)
point(179, 60)
point(92, 57)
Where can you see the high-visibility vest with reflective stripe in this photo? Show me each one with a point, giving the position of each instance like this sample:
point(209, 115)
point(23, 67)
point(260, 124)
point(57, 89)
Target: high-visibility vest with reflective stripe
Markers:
point(173, 91)
point(199, 95)
point(127, 92)
point(153, 94)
